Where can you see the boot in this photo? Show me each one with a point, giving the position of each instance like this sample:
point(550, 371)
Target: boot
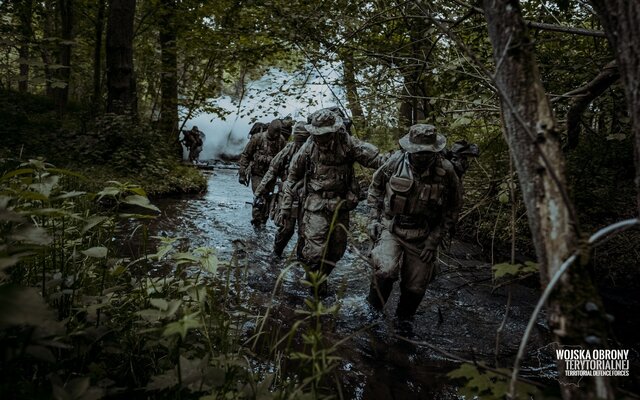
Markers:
point(408, 304)
point(379, 292)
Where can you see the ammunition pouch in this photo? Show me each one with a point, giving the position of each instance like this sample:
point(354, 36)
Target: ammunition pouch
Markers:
point(398, 191)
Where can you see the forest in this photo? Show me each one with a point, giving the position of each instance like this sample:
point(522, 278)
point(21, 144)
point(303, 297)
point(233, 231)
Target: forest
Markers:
point(128, 272)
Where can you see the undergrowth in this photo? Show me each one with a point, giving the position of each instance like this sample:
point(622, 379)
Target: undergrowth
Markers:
point(81, 320)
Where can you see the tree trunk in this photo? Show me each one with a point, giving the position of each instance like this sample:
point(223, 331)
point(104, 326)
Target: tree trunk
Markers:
point(169, 76)
point(414, 107)
point(97, 58)
point(61, 91)
point(26, 16)
point(121, 85)
point(530, 130)
point(351, 86)
point(621, 19)
point(49, 33)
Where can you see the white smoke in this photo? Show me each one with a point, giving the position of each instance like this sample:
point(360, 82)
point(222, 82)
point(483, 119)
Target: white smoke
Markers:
point(276, 94)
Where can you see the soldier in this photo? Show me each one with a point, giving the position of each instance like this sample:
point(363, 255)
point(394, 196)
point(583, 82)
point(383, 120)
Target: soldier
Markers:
point(287, 127)
point(254, 163)
point(257, 128)
point(278, 169)
point(193, 141)
point(415, 198)
point(325, 163)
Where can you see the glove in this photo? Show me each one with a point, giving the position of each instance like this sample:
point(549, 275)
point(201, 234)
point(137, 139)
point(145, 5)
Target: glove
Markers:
point(374, 229)
point(430, 248)
point(427, 255)
point(259, 201)
point(283, 216)
point(243, 179)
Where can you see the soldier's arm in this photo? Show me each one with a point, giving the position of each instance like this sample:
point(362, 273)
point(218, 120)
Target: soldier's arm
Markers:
point(297, 169)
point(376, 192)
point(366, 154)
point(275, 167)
point(247, 154)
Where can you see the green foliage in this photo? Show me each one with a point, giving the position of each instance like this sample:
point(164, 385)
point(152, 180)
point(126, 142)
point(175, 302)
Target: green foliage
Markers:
point(514, 270)
point(81, 319)
point(485, 384)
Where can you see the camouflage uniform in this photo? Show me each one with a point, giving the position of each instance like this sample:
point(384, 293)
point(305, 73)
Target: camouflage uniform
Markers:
point(278, 169)
point(193, 140)
point(325, 163)
point(255, 160)
point(415, 198)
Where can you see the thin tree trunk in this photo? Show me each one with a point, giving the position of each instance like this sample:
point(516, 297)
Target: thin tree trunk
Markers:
point(530, 130)
point(621, 19)
point(351, 86)
point(169, 75)
point(97, 57)
point(49, 32)
point(61, 91)
point(121, 85)
point(26, 16)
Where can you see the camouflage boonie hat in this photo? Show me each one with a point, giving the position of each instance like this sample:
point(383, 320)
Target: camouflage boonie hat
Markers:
point(274, 126)
point(299, 129)
point(324, 121)
point(422, 137)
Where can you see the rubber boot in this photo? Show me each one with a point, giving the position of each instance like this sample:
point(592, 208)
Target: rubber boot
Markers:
point(379, 292)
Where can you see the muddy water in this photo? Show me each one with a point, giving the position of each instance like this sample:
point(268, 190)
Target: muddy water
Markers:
point(460, 313)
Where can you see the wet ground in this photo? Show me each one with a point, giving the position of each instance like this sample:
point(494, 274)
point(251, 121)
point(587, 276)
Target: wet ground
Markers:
point(460, 313)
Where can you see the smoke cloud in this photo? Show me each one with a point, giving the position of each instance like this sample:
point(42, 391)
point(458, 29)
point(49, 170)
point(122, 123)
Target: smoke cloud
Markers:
point(276, 94)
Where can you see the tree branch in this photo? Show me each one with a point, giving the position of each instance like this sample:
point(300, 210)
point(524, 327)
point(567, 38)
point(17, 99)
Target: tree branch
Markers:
point(583, 96)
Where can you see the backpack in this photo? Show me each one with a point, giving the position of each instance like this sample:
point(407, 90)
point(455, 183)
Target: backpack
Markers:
point(459, 155)
point(257, 128)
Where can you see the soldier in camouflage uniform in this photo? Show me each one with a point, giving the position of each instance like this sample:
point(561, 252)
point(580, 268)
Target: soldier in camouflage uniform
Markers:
point(254, 163)
point(278, 169)
point(415, 198)
point(325, 163)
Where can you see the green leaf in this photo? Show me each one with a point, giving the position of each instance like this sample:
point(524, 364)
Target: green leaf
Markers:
point(92, 222)
point(500, 270)
point(530, 266)
point(182, 326)
point(173, 306)
point(617, 136)
point(24, 306)
point(164, 381)
point(95, 252)
point(109, 191)
point(16, 172)
point(31, 234)
point(78, 387)
point(68, 195)
point(162, 304)
point(140, 201)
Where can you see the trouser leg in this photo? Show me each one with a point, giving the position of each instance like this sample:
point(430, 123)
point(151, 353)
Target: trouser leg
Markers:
point(283, 235)
point(259, 215)
point(324, 246)
point(415, 276)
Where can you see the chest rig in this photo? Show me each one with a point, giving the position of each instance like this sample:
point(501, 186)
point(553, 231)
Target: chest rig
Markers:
point(408, 196)
point(330, 172)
